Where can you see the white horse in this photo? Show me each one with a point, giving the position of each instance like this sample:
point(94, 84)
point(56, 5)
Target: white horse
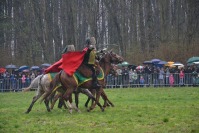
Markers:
point(42, 83)
point(33, 85)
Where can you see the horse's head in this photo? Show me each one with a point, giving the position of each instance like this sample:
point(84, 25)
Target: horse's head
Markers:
point(114, 70)
point(115, 58)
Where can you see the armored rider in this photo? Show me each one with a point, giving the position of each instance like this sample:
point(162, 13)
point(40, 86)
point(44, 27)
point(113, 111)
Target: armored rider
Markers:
point(89, 59)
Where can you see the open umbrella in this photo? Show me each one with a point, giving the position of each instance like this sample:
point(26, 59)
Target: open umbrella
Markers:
point(169, 63)
point(192, 59)
point(124, 64)
point(162, 63)
point(177, 64)
point(21, 68)
point(35, 68)
point(2, 70)
point(197, 62)
point(139, 67)
point(11, 66)
point(147, 62)
point(26, 70)
point(155, 61)
point(45, 65)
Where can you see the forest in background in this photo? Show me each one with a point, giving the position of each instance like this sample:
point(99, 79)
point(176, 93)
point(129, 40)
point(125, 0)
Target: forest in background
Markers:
point(33, 32)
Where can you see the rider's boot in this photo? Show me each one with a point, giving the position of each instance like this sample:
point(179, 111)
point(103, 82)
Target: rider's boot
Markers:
point(95, 81)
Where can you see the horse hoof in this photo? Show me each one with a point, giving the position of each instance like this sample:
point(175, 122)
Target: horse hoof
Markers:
point(26, 112)
point(102, 109)
point(88, 110)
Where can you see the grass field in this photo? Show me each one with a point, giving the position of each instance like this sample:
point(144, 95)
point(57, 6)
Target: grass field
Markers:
point(137, 110)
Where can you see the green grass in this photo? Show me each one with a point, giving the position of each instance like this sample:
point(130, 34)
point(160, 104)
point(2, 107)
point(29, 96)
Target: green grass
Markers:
point(137, 110)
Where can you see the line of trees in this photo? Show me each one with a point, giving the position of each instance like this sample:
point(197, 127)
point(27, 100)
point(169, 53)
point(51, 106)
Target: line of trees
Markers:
point(36, 31)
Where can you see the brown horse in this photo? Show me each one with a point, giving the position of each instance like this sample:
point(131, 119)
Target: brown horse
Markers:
point(107, 102)
point(70, 84)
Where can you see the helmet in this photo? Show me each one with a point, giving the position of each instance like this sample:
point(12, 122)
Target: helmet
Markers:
point(88, 41)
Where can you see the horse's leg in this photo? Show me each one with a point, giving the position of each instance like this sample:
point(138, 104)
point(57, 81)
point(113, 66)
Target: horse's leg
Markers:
point(97, 101)
point(76, 93)
point(75, 106)
point(46, 101)
point(86, 104)
point(106, 100)
point(89, 94)
point(35, 98)
point(55, 99)
point(66, 97)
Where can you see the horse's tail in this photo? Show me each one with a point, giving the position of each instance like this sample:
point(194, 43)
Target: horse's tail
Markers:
point(33, 84)
point(52, 88)
point(27, 89)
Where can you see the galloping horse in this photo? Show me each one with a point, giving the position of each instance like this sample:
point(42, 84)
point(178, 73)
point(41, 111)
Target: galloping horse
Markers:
point(42, 82)
point(88, 93)
point(70, 83)
point(107, 102)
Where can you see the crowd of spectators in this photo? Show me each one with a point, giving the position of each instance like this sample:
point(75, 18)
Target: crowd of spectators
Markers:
point(156, 76)
point(148, 75)
point(13, 80)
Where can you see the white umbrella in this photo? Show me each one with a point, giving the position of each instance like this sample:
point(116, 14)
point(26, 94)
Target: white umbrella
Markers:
point(197, 62)
point(177, 64)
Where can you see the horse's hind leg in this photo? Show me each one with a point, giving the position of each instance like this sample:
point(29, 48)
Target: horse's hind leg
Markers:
point(67, 97)
point(55, 99)
point(35, 98)
point(106, 100)
point(96, 102)
point(86, 104)
point(47, 105)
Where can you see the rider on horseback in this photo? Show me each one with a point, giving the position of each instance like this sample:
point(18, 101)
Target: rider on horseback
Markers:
point(89, 59)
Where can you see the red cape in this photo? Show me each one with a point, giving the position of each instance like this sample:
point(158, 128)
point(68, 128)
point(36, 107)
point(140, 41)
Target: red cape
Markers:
point(71, 61)
point(55, 67)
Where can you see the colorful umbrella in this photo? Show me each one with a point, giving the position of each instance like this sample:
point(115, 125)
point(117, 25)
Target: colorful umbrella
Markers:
point(169, 63)
point(2, 70)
